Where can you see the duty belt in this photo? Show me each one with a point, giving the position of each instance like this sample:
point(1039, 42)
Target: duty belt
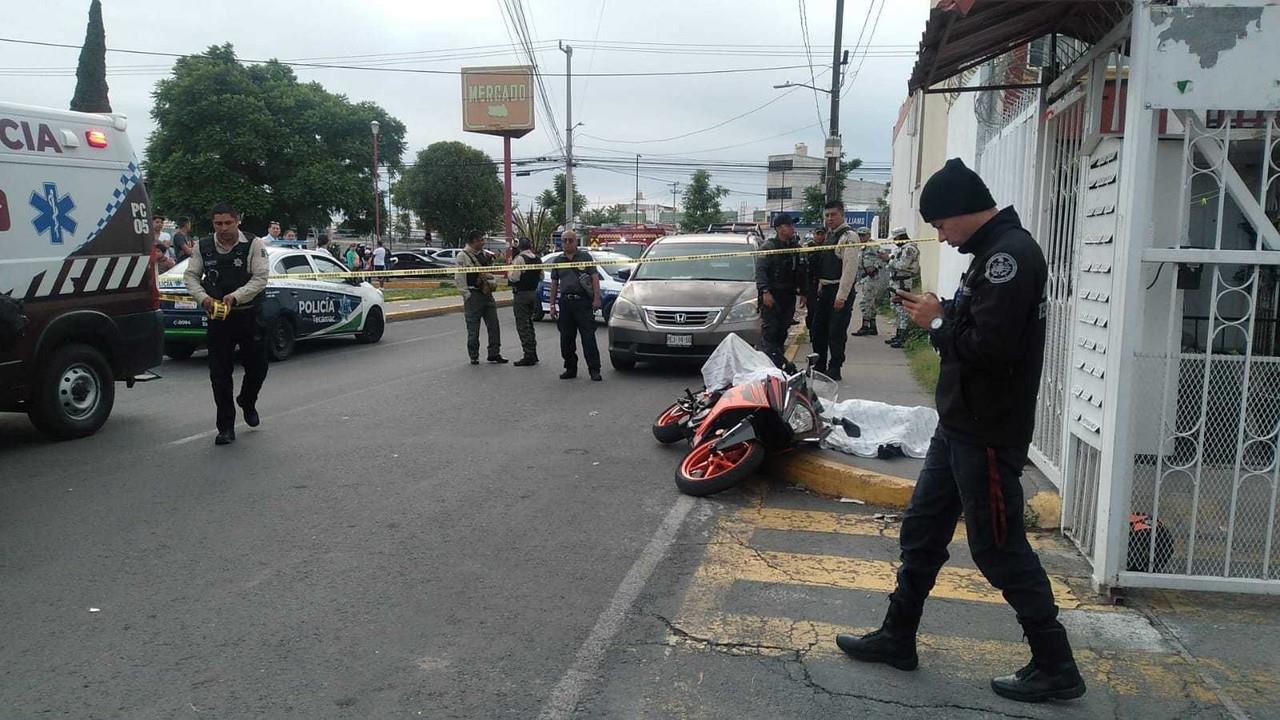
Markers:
point(573, 296)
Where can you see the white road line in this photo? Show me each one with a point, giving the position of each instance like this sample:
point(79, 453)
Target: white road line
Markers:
point(300, 408)
point(564, 697)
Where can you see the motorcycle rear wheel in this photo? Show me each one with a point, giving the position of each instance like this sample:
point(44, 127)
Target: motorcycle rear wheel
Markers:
point(706, 470)
point(669, 427)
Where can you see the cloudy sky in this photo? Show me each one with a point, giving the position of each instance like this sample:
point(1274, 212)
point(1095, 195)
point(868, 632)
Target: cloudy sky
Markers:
point(685, 114)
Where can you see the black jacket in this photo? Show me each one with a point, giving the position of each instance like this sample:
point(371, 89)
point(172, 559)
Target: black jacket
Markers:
point(992, 338)
point(781, 272)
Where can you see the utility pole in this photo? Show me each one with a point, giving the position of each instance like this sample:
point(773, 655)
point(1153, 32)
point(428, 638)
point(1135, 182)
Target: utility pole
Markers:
point(833, 136)
point(638, 189)
point(675, 185)
point(568, 140)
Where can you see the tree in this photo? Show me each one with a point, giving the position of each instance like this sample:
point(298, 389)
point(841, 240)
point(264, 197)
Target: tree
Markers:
point(274, 148)
point(815, 196)
point(91, 73)
point(454, 188)
point(536, 226)
point(610, 215)
point(701, 202)
point(553, 199)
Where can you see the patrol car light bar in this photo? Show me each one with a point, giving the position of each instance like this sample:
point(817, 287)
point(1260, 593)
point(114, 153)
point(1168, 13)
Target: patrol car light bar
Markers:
point(96, 138)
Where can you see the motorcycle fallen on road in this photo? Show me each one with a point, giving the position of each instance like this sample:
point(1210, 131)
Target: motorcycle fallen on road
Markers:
point(771, 414)
point(681, 419)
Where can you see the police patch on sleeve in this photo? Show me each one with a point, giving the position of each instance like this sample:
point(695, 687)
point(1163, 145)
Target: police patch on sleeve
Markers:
point(1001, 268)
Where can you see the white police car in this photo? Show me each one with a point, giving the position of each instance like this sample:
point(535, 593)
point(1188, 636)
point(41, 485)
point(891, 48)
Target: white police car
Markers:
point(292, 309)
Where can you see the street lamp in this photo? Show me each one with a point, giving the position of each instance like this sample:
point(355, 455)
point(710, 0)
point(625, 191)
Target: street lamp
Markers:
point(377, 214)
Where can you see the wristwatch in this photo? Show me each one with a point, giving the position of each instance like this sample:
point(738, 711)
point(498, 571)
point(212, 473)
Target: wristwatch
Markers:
point(935, 324)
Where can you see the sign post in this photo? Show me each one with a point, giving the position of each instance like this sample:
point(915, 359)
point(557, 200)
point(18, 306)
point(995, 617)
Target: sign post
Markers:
point(499, 101)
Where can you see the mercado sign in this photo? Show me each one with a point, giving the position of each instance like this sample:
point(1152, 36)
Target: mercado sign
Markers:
point(498, 100)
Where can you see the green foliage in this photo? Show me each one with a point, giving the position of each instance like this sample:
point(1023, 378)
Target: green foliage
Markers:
point(701, 203)
point(454, 188)
point(610, 215)
point(273, 147)
point(535, 224)
point(815, 196)
point(91, 73)
point(554, 200)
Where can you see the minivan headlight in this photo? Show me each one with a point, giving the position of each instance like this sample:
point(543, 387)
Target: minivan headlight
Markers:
point(743, 312)
point(624, 309)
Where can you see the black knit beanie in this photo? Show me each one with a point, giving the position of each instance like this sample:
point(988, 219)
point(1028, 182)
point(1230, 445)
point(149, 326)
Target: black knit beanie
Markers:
point(954, 190)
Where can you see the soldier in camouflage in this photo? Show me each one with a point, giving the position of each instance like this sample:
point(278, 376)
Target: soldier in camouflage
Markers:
point(903, 268)
point(870, 282)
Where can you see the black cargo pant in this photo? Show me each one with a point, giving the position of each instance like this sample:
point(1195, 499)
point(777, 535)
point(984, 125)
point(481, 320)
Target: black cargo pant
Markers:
point(984, 484)
point(830, 331)
point(524, 305)
point(577, 318)
point(774, 323)
point(242, 329)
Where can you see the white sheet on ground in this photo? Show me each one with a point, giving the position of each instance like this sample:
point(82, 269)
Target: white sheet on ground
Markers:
point(910, 428)
point(735, 362)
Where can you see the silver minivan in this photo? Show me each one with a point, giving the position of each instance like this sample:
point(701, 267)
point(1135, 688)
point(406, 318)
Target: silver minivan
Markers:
point(683, 309)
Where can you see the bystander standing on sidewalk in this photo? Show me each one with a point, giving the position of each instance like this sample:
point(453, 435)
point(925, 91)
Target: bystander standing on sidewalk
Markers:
point(182, 242)
point(525, 302)
point(478, 304)
point(379, 255)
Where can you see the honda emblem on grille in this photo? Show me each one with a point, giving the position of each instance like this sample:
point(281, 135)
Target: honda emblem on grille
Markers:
point(680, 318)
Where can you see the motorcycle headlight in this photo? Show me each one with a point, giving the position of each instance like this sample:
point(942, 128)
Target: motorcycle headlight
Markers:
point(801, 419)
point(624, 309)
point(743, 312)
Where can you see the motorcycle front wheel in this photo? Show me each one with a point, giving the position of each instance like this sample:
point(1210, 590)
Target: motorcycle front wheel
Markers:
point(706, 470)
point(669, 427)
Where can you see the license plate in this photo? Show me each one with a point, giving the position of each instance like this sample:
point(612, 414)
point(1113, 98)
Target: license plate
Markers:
point(679, 341)
point(184, 305)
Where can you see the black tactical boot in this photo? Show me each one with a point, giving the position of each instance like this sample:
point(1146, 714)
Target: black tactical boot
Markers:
point(868, 328)
point(894, 644)
point(1051, 674)
point(899, 339)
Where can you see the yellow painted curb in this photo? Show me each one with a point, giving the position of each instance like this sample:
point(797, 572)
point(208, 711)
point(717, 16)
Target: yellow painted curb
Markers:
point(402, 315)
point(838, 479)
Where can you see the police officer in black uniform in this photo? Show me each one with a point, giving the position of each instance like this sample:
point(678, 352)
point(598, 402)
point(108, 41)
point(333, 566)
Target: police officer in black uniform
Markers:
point(575, 296)
point(779, 280)
point(991, 339)
point(232, 268)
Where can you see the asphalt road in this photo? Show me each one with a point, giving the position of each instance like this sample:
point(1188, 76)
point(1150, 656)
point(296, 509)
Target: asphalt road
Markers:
point(405, 534)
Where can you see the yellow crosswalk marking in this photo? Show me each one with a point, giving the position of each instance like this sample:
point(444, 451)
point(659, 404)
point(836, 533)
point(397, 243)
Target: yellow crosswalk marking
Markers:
point(769, 518)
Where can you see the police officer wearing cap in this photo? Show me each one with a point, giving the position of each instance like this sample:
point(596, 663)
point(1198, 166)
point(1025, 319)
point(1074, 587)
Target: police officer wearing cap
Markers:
point(991, 340)
point(779, 280)
point(904, 266)
point(575, 296)
point(231, 267)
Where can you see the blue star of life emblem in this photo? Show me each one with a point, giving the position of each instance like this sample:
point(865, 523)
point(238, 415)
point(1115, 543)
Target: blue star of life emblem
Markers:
point(346, 305)
point(53, 213)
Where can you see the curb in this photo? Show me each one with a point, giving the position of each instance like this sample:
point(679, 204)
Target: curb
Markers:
point(402, 315)
point(829, 478)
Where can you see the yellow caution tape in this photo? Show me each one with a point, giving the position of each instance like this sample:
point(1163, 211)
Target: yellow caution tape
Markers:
point(428, 272)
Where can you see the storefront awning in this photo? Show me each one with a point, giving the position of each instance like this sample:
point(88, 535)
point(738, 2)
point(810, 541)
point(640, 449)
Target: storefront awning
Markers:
point(962, 34)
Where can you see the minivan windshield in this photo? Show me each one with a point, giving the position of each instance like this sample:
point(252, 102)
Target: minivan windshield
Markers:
point(738, 269)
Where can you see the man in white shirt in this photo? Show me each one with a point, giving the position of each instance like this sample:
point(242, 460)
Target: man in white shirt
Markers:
point(380, 263)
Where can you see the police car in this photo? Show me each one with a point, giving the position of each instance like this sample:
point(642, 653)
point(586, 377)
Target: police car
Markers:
point(293, 310)
point(610, 283)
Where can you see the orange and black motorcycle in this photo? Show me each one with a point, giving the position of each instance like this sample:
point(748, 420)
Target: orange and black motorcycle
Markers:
point(747, 421)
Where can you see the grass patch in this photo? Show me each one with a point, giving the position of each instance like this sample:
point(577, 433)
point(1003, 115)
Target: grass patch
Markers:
point(394, 294)
point(922, 359)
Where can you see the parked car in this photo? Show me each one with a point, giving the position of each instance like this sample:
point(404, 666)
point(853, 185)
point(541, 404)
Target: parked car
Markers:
point(632, 250)
point(408, 260)
point(293, 310)
point(610, 282)
point(76, 251)
point(449, 256)
point(682, 310)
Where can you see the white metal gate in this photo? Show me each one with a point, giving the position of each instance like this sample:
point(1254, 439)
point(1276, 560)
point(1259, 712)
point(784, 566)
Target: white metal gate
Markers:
point(1209, 485)
point(1061, 140)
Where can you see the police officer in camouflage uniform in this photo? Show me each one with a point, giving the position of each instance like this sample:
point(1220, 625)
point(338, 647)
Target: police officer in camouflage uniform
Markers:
point(903, 268)
point(869, 283)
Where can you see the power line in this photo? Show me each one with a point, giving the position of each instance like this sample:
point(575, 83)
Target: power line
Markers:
point(419, 71)
point(591, 60)
point(804, 34)
point(875, 24)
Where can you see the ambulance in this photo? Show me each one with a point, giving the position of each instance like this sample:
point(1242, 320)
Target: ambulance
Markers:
point(76, 250)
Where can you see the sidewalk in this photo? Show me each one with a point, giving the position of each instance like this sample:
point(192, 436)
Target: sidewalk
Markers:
point(431, 307)
point(875, 371)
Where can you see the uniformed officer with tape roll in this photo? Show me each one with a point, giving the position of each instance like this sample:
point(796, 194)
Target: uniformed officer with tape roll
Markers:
point(991, 339)
point(226, 275)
